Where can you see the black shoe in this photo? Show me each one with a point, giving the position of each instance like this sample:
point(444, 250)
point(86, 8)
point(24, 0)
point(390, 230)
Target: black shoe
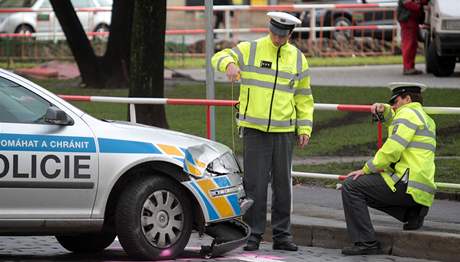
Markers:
point(363, 248)
point(285, 245)
point(415, 217)
point(252, 246)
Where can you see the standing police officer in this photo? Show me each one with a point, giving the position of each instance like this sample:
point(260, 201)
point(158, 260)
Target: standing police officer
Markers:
point(275, 105)
point(399, 180)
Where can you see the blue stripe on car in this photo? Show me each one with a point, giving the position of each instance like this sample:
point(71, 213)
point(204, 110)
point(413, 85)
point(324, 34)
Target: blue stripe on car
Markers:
point(222, 181)
point(233, 199)
point(107, 145)
point(211, 212)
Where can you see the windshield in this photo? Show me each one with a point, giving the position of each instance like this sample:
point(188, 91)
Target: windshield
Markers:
point(17, 3)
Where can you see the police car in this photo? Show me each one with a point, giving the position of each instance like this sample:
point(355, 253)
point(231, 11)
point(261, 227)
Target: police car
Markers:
point(86, 181)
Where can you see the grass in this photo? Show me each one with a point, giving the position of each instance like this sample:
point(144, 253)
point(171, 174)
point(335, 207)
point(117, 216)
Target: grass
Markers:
point(186, 62)
point(335, 133)
point(179, 62)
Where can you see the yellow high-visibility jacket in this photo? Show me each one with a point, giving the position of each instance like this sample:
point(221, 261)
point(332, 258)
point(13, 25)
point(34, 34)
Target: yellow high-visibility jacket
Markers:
point(275, 94)
point(409, 149)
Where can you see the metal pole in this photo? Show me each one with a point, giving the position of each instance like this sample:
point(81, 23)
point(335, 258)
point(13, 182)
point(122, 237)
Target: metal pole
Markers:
point(210, 92)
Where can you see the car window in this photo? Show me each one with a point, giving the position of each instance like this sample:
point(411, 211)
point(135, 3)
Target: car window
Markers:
point(16, 3)
point(82, 3)
point(19, 105)
point(46, 4)
point(106, 3)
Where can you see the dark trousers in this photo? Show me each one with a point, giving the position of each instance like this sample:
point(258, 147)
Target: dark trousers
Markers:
point(267, 158)
point(371, 190)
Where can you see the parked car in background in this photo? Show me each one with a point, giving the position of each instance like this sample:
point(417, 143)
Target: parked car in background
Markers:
point(43, 19)
point(350, 17)
point(442, 37)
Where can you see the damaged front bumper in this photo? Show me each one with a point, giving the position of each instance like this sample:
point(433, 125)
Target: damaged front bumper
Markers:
point(228, 235)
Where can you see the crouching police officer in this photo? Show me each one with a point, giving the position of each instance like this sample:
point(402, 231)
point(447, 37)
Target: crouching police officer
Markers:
point(399, 180)
point(275, 105)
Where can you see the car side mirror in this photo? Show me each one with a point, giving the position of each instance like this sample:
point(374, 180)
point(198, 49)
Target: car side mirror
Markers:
point(56, 116)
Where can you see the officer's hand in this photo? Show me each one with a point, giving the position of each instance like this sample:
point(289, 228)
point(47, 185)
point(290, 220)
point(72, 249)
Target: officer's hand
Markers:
point(233, 72)
point(355, 174)
point(377, 108)
point(303, 140)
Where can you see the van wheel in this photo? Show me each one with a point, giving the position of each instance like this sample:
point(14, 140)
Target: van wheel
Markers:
point(439, 65)
point(86, 243)
point(154, 218)
point(101, 28)
point(343, 34)
point(24, 29)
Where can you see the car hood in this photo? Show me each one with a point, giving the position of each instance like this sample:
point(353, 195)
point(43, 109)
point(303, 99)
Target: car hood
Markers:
point(449, 8)
point(195, 152)
point(178, 138)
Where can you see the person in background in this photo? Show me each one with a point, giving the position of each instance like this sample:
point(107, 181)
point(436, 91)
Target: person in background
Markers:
point(410, 15)
point(399, 179)
point(220, 15)
point(275, 107)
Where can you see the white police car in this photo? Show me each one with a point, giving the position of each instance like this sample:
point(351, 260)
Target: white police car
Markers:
point(86, 181)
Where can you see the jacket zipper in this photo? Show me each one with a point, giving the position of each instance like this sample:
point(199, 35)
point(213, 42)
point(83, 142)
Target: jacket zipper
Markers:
point(274, 88)
point(247, 103)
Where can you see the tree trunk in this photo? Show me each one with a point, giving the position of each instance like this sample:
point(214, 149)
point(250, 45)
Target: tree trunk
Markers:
point(116, 60)
point(79, 44)
point(147, 59)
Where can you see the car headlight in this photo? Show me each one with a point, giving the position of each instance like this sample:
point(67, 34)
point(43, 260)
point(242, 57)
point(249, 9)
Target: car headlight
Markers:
point(225, 164)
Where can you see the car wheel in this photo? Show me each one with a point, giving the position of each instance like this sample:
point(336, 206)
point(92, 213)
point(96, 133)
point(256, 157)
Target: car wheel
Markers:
point(102, 28)
point(342, 34)
point(87, 243)
point(427, 46)
point(24, 29)
point(154, 219)
point(439, 65)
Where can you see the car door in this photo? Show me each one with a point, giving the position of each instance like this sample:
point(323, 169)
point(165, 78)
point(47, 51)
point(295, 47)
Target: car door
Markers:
point(47, 171)
point(46, 21)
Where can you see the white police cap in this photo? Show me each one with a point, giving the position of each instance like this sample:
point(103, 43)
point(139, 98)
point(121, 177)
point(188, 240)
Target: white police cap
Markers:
point(282, 23)
point(399, 88)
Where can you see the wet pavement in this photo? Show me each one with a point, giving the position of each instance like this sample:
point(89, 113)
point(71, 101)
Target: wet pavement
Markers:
point(46, 248)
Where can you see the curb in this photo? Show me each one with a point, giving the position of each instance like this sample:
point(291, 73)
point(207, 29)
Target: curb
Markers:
point(38, 72)
point(416, 244)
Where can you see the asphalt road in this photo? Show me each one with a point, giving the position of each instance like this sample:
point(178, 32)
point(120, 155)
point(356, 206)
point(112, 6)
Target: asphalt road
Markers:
point(352, 76)
point(46, 248)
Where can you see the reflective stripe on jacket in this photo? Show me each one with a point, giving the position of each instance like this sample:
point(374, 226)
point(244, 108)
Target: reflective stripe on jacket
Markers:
point(275, 94)
point(409, 149)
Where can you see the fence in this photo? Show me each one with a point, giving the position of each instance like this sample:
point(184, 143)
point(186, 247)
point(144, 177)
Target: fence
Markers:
point(327, 29)
point(208, 103)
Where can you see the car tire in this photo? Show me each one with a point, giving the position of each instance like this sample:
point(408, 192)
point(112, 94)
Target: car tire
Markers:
point(24, 29)
point(101, 28)
point(440, 66)
point(343, 34)
point(154, 218)
point(87, 243)
point(428, 64)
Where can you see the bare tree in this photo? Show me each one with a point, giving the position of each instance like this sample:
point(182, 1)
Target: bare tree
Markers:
point(137, 23)
point(110, 70)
